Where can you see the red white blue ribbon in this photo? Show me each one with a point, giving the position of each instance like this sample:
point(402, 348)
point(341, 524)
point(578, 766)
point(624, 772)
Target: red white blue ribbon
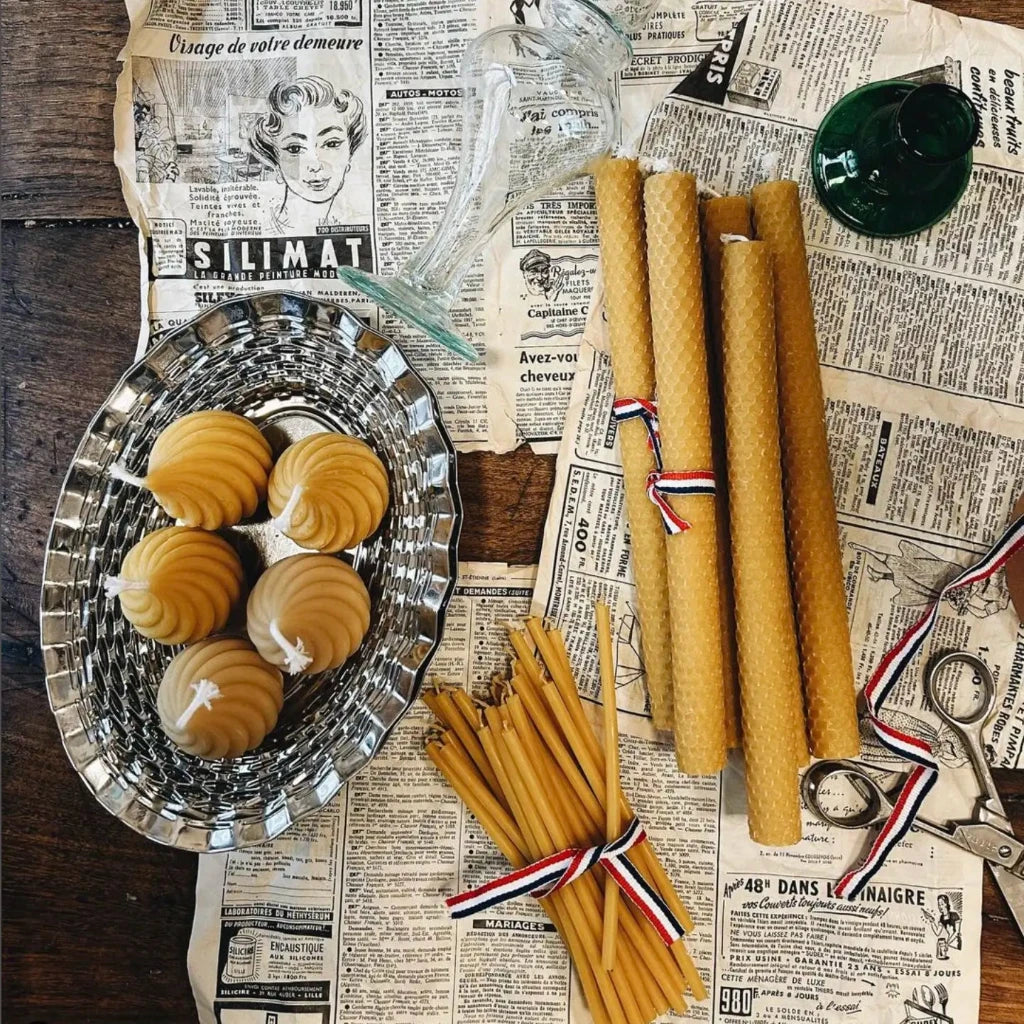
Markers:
point(552, 873)
point(662, 483)
point(925, 772)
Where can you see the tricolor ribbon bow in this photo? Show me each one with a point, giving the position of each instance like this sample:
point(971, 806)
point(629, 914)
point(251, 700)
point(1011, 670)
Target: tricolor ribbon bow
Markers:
point(555, 872)
point(925, 772)
point(661, 482)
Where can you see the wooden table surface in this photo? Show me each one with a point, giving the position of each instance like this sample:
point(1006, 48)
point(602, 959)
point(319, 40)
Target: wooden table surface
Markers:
point(95, 918)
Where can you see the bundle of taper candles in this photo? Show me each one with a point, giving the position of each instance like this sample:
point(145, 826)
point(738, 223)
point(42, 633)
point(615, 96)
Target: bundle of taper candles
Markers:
point(738, 398)
point(531, 769)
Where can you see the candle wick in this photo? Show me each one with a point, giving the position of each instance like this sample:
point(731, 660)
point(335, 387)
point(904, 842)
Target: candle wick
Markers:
point(727, 239)
point(114, 585)
point(284, 520)
point(295, 657)
point(206, 691)
point(118, 472)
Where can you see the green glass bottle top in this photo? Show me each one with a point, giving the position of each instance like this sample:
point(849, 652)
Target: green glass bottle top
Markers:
point(892, 158)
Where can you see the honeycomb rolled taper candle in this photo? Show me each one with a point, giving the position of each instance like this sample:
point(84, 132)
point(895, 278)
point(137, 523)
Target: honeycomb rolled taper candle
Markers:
point(725, 215)
point(620, 220)
point(811, 525)
point(684, 415)
point(769, 666)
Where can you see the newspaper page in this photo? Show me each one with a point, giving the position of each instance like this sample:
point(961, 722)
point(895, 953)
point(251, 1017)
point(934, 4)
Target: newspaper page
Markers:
point(342, 919)
point(225, 206)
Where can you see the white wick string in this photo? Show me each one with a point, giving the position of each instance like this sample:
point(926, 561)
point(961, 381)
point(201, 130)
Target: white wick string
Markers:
point(114, 585)
point(206, 692)
point(656, 165)
point(118, 472)
point(284, 520)
point(295, 657)
point(726, 239)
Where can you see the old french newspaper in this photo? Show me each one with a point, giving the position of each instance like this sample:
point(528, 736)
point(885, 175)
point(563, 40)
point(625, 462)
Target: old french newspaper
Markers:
point(342, 919)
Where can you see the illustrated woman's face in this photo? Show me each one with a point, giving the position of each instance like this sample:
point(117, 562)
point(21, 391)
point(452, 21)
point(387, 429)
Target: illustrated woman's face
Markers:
point(313, 153)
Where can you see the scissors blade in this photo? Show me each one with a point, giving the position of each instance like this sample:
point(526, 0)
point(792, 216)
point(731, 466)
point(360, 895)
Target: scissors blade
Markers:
point(1012, 888)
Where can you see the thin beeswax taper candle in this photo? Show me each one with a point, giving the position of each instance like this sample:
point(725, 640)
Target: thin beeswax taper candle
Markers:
point(726, 215)
point(684, 415)
point(620, 221)
point(765, 634)
point(811, 525)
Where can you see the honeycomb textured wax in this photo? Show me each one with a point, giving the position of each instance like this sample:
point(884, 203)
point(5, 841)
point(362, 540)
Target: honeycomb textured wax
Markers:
point(328, 492)
point(680, 360)
point(728, 215)
point(308, 613)
point(620, 220)
point(219, 698)
point(766, 647)
point(207, 469)
point(178, 585)
point(811, 526)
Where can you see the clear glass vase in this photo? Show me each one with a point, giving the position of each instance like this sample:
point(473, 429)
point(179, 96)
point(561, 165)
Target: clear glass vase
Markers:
point(538, 107)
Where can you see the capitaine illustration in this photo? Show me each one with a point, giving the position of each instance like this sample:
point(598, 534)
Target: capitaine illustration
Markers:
point(541, 275)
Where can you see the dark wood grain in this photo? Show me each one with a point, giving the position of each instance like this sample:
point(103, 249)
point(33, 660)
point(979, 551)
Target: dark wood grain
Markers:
point(96, 919)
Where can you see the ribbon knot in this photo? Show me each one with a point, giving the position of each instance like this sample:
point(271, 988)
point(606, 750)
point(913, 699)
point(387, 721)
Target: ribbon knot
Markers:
point(558, 870)
point(661, 482)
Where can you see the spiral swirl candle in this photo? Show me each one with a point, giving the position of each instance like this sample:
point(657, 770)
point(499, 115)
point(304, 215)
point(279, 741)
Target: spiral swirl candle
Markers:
point(207, 469)
point(219, 698)
point(178, 585)
point(328, 492)
point(308, 613)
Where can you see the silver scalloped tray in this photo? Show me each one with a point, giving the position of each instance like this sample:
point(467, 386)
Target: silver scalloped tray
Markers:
point(294, 365)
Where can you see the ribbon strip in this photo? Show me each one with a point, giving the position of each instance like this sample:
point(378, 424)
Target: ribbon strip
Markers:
point(552, 873)
point(925, 771)
point(661, 482)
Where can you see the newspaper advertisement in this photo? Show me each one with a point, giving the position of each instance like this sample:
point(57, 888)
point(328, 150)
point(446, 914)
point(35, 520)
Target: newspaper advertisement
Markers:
point(217, 104)
point(342, 919)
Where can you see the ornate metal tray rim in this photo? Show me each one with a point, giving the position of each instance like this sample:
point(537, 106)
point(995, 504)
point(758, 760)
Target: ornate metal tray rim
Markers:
point(124, 801)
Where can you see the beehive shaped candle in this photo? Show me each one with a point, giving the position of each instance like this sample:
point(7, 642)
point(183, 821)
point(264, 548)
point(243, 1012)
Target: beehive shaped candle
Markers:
point(219, 698)
point(769, 666)
point(207, 469)
point(328, 492)
point(308, 613)
point(178, 585)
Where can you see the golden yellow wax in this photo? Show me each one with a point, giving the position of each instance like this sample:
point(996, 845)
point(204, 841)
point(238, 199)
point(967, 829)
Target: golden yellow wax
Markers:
point(680, 359)
point(619, 188)
point(727, 215)
point(769, 667)
point(811, 525)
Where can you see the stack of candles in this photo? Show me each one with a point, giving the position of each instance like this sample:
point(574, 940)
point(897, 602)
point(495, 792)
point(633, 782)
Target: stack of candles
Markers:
point(532, 771)
point(738, 400)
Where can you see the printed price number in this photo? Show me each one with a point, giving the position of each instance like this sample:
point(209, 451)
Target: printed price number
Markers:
point(582, 535)
point(736, 1002)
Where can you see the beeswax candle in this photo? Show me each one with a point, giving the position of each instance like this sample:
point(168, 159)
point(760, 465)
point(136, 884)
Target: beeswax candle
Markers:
point(308, 613)
point(207, 469)
point(328, 492)
point(620, 220)
point(219, 698)
point(178, 585)
point(680, 359)
point(726, 215)
point(811, 525)
point(765, 634)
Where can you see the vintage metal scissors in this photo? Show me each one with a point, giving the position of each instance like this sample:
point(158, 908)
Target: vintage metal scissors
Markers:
point(988, 834)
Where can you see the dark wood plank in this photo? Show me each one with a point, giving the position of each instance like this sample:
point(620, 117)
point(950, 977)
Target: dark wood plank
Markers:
point(60, 64)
